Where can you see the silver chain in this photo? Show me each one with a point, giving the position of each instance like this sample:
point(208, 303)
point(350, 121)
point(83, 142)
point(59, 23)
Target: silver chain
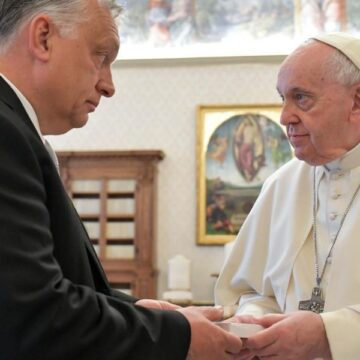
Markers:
point(317, 270)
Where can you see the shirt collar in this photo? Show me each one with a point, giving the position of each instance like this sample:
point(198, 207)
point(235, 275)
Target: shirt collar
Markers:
point(27, 106)
point(347, 162)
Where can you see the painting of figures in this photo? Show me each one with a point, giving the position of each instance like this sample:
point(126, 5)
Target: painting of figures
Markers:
point(238, 148)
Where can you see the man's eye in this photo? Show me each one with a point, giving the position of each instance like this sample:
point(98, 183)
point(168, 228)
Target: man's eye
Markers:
point(304, 101)
point(300, 97)
point(102, 58)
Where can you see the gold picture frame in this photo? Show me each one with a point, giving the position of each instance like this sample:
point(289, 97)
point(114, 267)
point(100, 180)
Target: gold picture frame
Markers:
point(238, 147)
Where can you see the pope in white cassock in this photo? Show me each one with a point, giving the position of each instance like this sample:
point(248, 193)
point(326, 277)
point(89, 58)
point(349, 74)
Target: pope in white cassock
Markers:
point(297, 257)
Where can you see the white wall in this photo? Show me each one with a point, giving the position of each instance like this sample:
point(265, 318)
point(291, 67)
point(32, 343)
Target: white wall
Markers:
point(155, 108)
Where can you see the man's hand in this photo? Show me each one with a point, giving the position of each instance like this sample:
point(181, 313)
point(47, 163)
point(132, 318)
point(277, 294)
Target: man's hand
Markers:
point(208, 341)
point(300, 335)
point(245, 353)
point(157, 304)
point(243, 319)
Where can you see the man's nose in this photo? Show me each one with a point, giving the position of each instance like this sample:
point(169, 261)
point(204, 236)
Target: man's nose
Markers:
point(105, 85)
point(288, 115)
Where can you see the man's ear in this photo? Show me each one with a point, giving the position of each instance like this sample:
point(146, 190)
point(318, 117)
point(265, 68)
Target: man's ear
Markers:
point(41, 32)
point(355, 111)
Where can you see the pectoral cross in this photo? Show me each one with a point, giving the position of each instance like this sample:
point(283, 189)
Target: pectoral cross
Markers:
point(315, 304)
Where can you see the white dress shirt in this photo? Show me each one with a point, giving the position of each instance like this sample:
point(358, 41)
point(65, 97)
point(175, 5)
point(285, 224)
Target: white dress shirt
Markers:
point(34, 119)
point(27, 106)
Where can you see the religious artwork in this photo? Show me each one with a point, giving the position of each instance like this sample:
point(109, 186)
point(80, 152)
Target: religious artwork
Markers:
point(170, 28)
point(322, 16)
point(238, 147)
point(157, 23)
point(191, 28)
point(352, 15)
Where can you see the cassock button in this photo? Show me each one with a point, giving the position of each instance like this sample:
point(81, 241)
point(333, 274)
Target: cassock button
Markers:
point(337, 175)
point(335, 195)
point(333, 216)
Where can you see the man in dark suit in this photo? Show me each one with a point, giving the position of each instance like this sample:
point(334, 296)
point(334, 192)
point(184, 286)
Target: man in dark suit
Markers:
point(55, 302)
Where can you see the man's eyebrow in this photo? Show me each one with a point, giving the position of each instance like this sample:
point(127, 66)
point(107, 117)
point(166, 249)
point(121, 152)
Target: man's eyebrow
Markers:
point(295, 89)
point(299, 89)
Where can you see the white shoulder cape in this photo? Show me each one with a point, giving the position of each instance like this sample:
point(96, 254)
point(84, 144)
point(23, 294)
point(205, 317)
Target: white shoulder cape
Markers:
point(272, 235)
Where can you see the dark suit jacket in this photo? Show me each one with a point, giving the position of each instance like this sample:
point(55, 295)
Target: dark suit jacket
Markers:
point(55, 301)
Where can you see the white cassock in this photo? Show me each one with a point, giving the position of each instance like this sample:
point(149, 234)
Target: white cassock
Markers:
point(272, 265)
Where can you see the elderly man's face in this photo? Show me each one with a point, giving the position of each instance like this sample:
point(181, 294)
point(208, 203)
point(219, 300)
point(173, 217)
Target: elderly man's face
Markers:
point(80, 71)
point(316, 109)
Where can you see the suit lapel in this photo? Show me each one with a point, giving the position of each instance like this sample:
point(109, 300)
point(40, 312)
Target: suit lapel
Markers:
point(8, 97)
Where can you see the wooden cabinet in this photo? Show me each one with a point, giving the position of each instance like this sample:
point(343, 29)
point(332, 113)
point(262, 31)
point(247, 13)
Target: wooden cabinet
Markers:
point(115, 195)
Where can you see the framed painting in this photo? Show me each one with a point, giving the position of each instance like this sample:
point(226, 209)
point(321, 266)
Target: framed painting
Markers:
point(168, 29)
point(238, 147)
point(161, 29)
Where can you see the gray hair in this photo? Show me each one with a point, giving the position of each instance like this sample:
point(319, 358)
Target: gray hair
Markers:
point(341, 68)
point(66, 14)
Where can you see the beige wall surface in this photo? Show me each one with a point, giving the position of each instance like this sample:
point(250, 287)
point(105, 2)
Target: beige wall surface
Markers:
point(155, 108)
